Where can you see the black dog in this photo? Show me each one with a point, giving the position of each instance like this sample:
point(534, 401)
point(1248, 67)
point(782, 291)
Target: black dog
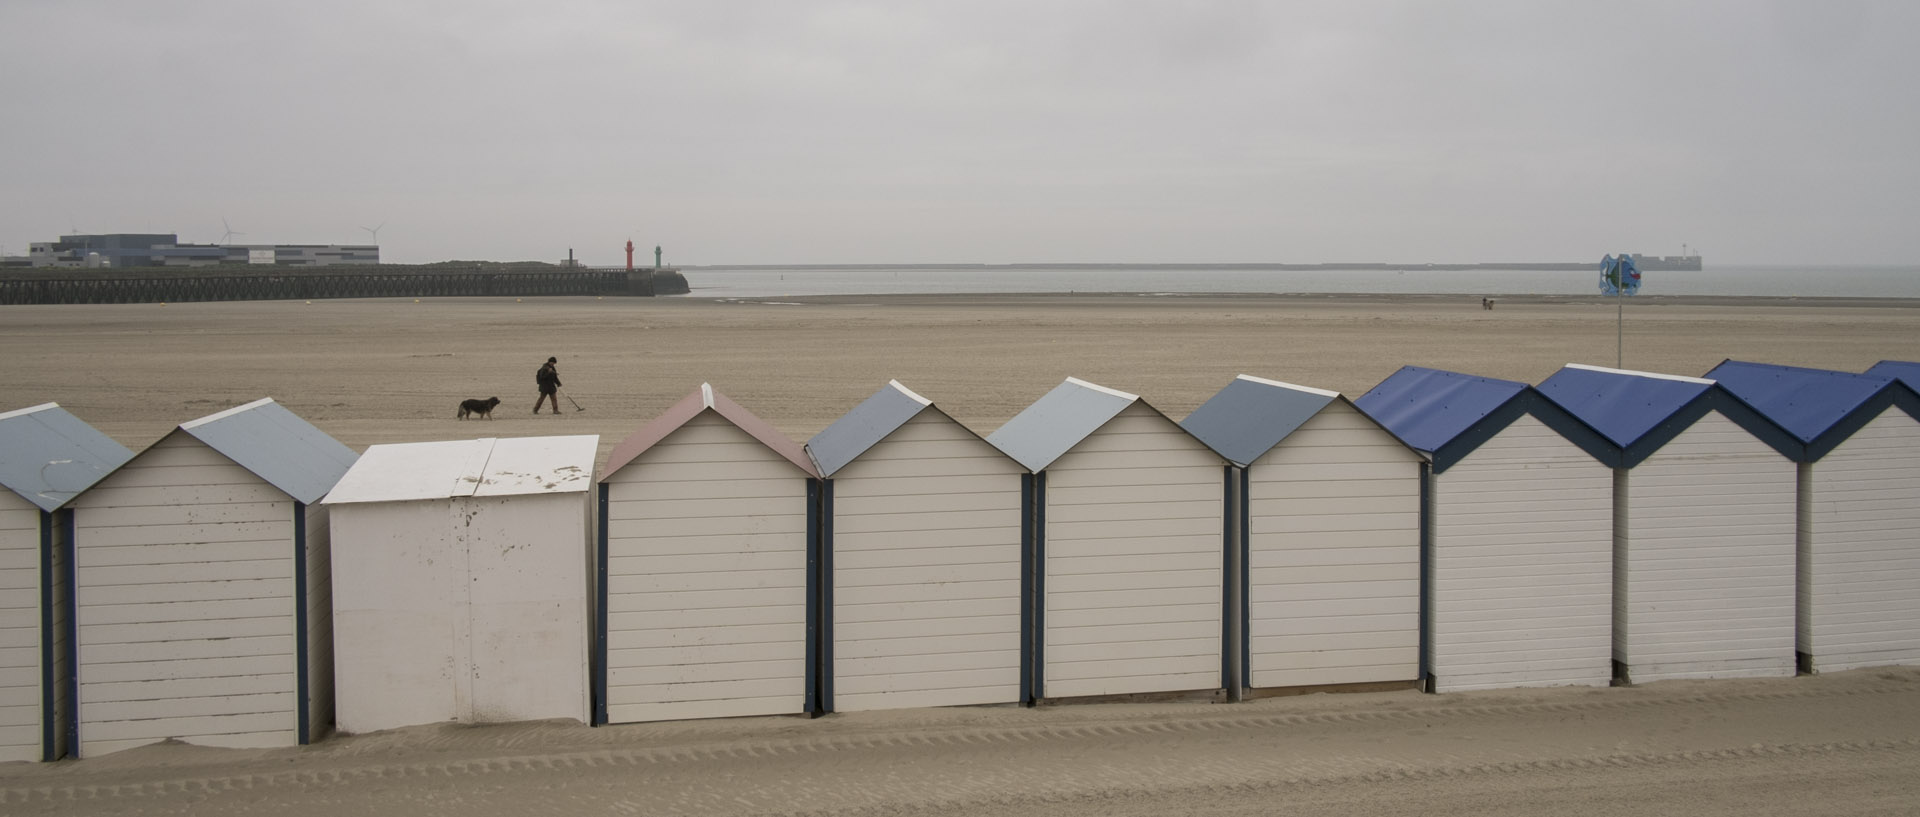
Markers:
point(483, 408)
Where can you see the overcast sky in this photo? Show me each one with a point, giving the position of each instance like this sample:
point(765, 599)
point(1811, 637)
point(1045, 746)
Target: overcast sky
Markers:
point(976, 131)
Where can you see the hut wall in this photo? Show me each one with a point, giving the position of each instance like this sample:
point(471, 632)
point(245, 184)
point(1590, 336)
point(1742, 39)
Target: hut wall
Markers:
point(926, 571)
point(398, 612)
point(1334, 556)
point(1522, 564)
point(1861, 602)
point(20, 645)
point(184, 586)
point(1705, 564)
point(526, 581)
point(706, 595)
point(1134, 544)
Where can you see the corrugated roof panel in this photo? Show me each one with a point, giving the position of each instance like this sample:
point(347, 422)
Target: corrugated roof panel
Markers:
point(539, 465)
point(1251, 415)
point(400, 472)
point(1904, 371)
point(1427, 408)
point(865, 426)
point(48, 456)
point(703, 399)
point(1622, 405)
point(277, 446)
point(1806, 402)
point(1058, 421)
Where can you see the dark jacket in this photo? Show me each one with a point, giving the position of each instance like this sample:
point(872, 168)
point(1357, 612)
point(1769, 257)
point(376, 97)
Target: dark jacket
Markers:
point(548, 377)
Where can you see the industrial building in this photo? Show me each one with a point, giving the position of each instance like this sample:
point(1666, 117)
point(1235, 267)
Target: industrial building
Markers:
point(117, 250)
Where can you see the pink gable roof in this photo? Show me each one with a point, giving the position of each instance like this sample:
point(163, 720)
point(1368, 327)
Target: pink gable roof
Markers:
point(702, 400)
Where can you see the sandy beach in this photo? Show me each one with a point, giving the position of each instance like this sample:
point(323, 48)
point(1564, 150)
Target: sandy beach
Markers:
point(379, 371)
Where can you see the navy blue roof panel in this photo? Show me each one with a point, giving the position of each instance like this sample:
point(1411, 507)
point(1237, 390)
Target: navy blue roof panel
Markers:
point(1427, 408)
point(1805, 402)
point(1622, 405)
point(864, 427)
point(1905, 371)
point(1250, 416)
point(1057, 422)
point(48, 456)
point(277, 446)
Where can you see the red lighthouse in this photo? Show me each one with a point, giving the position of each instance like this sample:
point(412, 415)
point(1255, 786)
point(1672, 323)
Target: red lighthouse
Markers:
point(629, 255)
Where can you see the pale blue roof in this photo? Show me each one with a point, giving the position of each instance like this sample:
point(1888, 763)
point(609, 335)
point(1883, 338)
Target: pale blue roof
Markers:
point(277, 446)
point(48, 456)
point(1245, 420)
point(1057, 422)
point(865, 426)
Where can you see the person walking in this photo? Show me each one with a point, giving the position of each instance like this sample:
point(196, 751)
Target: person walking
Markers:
point(548, 379)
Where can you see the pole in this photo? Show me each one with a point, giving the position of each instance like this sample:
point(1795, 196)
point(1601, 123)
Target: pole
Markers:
point(1619, 322)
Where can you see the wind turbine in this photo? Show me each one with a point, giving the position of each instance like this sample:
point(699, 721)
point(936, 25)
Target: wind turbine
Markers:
point(376, 233)
point(229, 233)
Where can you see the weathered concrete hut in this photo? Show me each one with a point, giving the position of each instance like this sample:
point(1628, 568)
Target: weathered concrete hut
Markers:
point(709, 523)
point(1518, 532)
point(924, 544)
point(202, 586)
point(461, 582)
point(47, 457)
point(1327, 536)
point(1128, 526)
point(1858, 508)
point(1703, 524)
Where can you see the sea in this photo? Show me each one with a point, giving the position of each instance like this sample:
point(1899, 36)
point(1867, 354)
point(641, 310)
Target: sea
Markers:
point(1755, 280)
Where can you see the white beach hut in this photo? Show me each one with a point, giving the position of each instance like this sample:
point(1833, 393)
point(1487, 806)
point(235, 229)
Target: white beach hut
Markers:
point(461, 582)
point(708, 593)
point(1858, 507)
point(924, 542)
point(202, 586)
point(47, 457)
point(1328, 536)
point(1703, 524)
point(1128, 519)
point(1518, 531)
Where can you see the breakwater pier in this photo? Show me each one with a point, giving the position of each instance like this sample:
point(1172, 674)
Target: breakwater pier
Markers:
point(159, 285)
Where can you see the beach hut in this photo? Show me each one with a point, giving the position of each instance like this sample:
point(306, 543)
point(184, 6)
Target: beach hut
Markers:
point(1128, 526)
point(47, 457)
point(1703, 524)
point(461, 582)
point(202, 586)
point(1518, 532)
point(1328, 536)
point(1858, 508)
point(924, 542)
point(709, 523)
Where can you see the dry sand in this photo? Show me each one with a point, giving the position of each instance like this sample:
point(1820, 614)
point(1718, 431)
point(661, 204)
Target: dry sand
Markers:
point(375, 371)
point(393, 370)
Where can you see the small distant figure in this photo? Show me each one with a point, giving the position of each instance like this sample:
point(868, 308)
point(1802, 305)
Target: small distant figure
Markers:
point(478, 408)
point(548, 379)
point(1486, 303)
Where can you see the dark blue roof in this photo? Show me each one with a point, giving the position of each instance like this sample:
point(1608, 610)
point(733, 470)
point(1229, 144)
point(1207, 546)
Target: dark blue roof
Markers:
point(1806, 402)
point(1245, 420)
point(1905, 371)
point(1623, 406)
point(1428, 408)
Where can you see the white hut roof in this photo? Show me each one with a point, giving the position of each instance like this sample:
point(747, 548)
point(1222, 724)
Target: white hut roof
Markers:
point(484, 467)
point(48, 456)
point(277, 446)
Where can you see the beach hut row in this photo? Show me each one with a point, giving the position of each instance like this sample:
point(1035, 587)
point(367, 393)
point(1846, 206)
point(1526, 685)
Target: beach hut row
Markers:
point(249, 581)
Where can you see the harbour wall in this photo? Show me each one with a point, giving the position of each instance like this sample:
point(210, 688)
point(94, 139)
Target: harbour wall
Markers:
point(156, 285)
